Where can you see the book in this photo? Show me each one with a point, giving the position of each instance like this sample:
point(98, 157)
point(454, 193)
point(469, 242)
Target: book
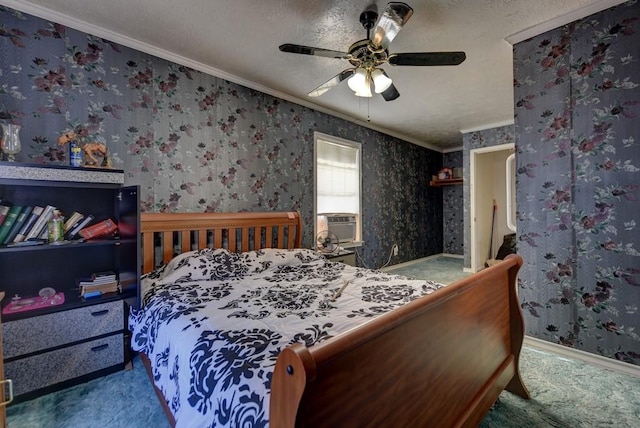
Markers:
point(45, 232)
point(85, 282)
point(28, 223)
point(78, 227)
point(72, 221)
point(41, 223)
point(109, 274)
point(4, 210)
point(11, 217)
point(103, 288)
point(17, 225)
point(97, 281)
point(103, 228)
point(102, 284)
point(84, 291)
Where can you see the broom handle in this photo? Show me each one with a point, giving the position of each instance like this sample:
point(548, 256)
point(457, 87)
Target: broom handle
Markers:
point(493, 221)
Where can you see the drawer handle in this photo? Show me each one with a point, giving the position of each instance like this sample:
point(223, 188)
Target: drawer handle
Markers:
point(100, 347)
point(10, 399)
point(100, 313)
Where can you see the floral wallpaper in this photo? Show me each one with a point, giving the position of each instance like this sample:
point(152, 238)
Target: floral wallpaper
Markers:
point(195, 142)
point(577, 104)
point(452, 209)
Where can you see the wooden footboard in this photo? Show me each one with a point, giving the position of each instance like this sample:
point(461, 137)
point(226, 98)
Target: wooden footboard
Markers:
point(441, 360)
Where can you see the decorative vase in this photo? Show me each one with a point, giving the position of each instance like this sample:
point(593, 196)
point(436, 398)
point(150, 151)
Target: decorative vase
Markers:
point(10, 141)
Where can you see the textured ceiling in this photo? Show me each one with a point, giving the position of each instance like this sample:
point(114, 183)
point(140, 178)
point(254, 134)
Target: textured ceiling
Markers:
point(238, 40)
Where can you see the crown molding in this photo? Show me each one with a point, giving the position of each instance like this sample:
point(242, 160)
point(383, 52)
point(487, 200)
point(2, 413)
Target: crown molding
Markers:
point(590, 9)
point(453, 149)
point(488, 126)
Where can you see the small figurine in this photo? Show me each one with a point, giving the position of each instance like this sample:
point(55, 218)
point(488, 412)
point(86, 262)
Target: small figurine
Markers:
point(90, 151)
point(66, 137)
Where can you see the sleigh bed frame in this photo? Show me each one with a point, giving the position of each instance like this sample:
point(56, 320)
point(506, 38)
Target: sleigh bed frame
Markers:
point(441, 360)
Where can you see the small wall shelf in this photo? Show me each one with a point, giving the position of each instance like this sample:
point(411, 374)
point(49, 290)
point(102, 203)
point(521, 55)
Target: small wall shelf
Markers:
point(445, 182)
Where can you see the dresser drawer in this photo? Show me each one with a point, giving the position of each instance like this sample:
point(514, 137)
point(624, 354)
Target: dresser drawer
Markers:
point(49, 368)
point(47, 331)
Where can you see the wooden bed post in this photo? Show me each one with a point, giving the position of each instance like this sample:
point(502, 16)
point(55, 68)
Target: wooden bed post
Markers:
point(293, 370)
point(516, 385)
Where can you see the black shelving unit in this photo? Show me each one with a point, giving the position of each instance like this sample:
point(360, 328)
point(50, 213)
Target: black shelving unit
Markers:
point(96, 327)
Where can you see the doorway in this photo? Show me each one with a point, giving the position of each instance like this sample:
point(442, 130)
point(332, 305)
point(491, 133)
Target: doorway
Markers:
point(491, 178)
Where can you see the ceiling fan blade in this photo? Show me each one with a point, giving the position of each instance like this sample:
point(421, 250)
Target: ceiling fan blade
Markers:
point(391, 93)
point(308, 50)
point(390, 23)
point(427, 58)
point(334, 81)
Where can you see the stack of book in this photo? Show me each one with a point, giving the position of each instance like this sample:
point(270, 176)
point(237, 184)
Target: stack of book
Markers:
point(99, 283)
point(28, 223)
point(19, 223)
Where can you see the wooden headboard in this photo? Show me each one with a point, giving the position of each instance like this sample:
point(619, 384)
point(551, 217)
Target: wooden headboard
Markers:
point(171, 233)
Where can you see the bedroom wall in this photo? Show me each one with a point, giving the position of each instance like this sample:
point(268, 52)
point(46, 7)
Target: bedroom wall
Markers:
point(452, 209)
point(195, 142)
point(577, 105)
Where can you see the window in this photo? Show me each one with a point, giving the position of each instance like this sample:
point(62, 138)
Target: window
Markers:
point(337, 188)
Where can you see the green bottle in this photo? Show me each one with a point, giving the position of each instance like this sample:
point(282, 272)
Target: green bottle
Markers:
point(55, 228)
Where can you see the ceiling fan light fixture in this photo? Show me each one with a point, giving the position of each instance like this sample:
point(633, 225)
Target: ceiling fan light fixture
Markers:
point(381, 81)
point(365, 91)
point(360, 83)
point(357, 82)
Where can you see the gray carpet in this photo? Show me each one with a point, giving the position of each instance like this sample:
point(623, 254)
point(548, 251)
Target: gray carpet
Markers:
point(442, 269)
point(565, 393)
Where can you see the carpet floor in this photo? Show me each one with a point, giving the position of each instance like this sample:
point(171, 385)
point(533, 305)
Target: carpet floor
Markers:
point(565, 393)
point(442, 269)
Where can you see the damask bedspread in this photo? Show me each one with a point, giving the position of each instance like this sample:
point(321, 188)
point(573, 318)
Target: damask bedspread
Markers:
point(213, 322)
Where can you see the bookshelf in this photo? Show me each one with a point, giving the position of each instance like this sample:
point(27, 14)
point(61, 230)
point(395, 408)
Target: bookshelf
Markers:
point(39, 341)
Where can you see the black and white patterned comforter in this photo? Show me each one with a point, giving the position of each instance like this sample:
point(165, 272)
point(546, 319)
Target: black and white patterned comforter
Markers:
point(213, 323)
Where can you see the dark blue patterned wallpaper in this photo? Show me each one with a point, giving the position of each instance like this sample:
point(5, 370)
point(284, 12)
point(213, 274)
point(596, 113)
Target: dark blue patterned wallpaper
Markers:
point(453, 209)
point(577, 102)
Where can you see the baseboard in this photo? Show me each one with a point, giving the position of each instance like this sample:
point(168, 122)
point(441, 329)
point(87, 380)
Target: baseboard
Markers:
point(453, 256)
point(587, 357)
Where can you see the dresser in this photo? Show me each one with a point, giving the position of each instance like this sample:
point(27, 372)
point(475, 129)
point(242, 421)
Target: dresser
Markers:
point(42, 351)
point(52, 341)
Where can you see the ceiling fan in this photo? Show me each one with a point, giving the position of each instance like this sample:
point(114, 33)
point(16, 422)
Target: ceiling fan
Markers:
point(366, 56)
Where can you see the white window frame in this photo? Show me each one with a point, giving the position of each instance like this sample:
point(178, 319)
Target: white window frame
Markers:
point(317, 138)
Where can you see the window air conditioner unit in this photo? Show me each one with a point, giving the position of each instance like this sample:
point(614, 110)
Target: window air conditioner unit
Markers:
point(343, 225)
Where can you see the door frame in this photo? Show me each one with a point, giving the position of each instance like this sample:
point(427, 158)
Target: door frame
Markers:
point(474, 196)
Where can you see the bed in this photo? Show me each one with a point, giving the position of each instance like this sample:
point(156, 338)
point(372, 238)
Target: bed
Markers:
point(239, 326)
